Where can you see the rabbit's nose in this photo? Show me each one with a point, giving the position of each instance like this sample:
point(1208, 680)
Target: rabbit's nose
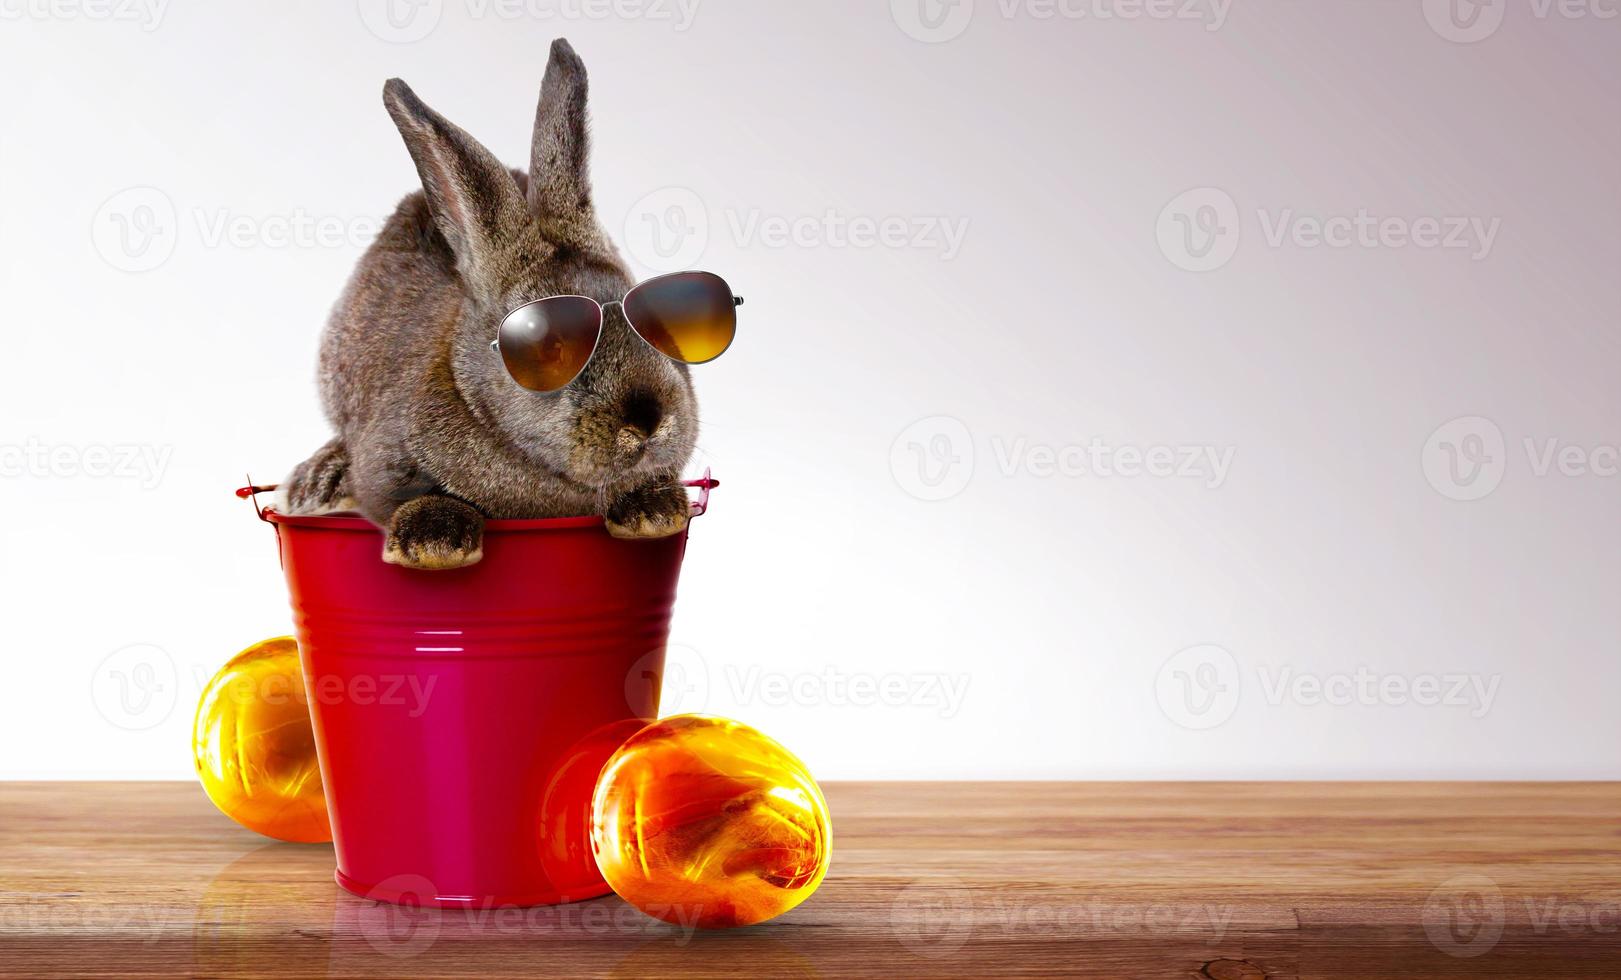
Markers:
point(641, 412)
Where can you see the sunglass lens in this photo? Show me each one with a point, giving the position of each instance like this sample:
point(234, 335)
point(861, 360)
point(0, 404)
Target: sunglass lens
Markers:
point(689, 316)
point(546, 344)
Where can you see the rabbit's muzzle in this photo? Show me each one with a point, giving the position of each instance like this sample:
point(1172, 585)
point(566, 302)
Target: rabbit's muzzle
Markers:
point(641, 431)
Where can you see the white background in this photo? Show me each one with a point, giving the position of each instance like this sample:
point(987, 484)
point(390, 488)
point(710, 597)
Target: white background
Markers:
point(181, 322)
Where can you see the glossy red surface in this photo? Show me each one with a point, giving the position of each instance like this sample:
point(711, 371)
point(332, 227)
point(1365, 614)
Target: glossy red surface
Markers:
point(454, 711)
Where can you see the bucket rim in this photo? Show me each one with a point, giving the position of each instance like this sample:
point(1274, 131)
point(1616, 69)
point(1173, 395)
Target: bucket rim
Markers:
point(349, 521)
point(354, 522)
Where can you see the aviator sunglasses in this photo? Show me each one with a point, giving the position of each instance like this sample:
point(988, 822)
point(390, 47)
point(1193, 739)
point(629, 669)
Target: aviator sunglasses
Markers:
point(689, 317)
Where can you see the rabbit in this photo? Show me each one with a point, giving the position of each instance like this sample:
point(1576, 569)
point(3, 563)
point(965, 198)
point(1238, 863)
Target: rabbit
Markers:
point(433, 435)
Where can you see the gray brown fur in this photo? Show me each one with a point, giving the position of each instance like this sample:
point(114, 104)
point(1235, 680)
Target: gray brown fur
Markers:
point(433, 435)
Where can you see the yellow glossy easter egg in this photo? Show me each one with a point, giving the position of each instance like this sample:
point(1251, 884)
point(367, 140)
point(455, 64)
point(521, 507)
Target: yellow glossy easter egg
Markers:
point(254, 746)
point(706, 822)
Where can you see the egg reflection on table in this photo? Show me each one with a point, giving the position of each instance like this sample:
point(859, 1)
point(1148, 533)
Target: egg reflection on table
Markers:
point(706, 822)
point(565, 810)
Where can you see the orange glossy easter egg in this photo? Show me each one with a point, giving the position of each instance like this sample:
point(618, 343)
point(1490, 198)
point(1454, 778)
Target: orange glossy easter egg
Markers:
point(254, 747)
point(706, 822)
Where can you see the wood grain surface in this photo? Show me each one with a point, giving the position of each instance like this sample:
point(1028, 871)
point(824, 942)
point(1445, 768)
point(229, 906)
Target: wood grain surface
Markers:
point(1185, 880)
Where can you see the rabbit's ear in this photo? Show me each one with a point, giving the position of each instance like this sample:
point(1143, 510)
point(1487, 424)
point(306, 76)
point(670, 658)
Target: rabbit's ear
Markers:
point(559, 185)
point(474, 199)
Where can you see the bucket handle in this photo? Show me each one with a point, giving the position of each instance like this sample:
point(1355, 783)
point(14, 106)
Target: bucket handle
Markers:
point(700, 506)
point(704, 484)
point(251, 492)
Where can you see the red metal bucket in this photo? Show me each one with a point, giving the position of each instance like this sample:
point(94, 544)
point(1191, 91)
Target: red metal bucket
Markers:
point(461, 717)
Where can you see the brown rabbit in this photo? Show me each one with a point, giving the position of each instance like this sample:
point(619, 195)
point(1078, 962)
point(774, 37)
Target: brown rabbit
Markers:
point(433, 435)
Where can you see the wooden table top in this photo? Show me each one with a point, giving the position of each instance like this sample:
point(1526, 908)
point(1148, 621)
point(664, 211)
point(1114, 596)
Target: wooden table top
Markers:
point(1187, 880)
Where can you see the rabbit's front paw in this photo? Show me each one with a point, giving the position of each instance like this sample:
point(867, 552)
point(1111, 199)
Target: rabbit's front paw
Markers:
point(653, 511)
point(316, 486)
point(435, 533)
